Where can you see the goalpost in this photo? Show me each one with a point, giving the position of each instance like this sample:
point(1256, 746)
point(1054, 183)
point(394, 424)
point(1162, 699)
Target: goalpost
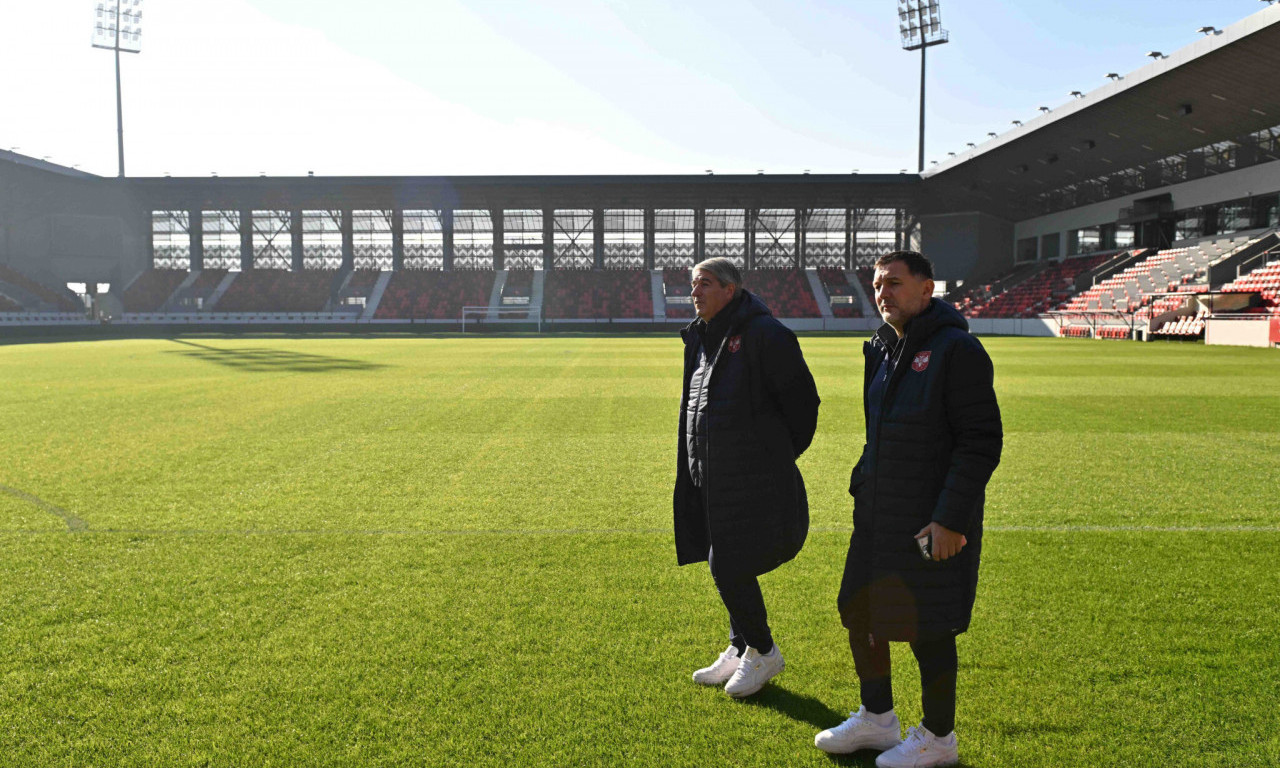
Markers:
point(511, 314)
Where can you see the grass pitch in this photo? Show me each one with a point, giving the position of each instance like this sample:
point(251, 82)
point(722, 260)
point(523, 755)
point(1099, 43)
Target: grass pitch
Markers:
point(228, 551)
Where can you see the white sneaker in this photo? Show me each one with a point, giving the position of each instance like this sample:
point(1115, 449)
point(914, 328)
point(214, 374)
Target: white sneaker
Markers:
point(861, 731)
point(719, 672)
point(754, 670)
point(921, 749)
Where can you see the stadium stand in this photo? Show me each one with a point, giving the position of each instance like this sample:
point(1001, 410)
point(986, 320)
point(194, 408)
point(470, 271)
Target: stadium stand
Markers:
point(1037, 292)
point(195, 296)
point(278, 290)
point(840, 294)
point(597, 294)
point(357, 290)
point(61, 301)
point(152, 289)
point(433, 295)
point(8, 305)
point(785, 291)
point(675, 283)
point(866, 276)
point(1265, 281)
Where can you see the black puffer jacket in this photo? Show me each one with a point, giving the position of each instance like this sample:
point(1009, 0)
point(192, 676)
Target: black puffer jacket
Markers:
point(761, 413)
point(931, 451)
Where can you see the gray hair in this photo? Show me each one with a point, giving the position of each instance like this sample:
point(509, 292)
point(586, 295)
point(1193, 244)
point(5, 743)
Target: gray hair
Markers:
point(721, 269)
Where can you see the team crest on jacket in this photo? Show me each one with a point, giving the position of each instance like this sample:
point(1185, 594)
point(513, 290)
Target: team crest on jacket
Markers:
point(920, 362)
point(735, 344)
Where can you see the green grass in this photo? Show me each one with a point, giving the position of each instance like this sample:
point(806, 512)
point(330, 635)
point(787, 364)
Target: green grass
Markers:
point(231, 551)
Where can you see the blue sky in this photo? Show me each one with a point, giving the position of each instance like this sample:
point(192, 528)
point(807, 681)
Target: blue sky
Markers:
point(242, 87)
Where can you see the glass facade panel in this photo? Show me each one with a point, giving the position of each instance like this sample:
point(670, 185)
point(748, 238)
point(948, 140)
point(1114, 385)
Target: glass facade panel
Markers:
point(824, 237)
point(423, 240)
point(371, 246)
point(221, 233)
point(472, 239)
point(272, 240)
point(624, 238)
point(573, 238)
point(725, 234)
point(321, 239)
point(775, 238)
point(522, 241)
point(170, 240)
point(675, 239)
point(875, 233)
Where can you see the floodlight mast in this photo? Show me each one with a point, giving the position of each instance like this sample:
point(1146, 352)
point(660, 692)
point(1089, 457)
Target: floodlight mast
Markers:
point(920, 24)
point(119, 30)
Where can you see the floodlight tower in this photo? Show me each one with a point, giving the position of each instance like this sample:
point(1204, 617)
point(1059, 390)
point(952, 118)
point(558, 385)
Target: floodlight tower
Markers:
point(920, 24)
point(118, 27)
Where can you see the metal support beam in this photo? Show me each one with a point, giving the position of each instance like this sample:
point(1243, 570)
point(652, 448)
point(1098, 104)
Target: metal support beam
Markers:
point(499, 253)
point(195, 225)
point(548, 237)
point(446, 237)
point(295, 239)
point(348, 240)
point(649, 238)
point(397, 239)
point(801, 226)
point(246, 239)
point(597, 238)
point(699, 234)
point(749, 237)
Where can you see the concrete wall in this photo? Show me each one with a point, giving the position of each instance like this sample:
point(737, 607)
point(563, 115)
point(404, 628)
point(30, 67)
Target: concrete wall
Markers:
point(967, 246)
point(61, 229)
point(1242, 333)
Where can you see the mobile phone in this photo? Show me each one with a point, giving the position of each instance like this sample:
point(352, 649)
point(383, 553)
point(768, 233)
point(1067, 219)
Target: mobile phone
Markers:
point(926, 546)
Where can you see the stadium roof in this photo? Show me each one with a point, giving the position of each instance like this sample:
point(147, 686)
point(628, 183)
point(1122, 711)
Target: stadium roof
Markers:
point(1220, 88)
point(511, 192)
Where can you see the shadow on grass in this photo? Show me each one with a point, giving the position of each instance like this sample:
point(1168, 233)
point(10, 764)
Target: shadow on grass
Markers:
point(806, 709)
point(262, 359)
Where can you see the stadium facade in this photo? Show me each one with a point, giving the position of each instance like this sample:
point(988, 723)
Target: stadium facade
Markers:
point(1181, 150)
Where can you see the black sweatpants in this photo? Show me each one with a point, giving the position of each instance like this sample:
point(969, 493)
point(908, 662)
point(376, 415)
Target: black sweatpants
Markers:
point(748, 620)
point(938, 667)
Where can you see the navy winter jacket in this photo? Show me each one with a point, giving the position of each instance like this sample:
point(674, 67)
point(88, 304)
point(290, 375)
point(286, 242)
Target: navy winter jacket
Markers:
point(761, 413)
point(933, 444)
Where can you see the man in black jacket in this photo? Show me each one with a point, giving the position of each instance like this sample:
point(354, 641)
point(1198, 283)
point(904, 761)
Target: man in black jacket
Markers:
point(933, 439)
point(749, 409)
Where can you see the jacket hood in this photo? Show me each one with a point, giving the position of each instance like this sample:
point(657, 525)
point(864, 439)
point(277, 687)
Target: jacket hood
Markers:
point(748, 306)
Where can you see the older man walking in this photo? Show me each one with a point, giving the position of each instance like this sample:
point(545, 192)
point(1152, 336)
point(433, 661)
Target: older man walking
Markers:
point(749, 409)
point(933, 438)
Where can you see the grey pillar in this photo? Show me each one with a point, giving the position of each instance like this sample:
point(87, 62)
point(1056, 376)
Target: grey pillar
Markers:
point(850, 239)
point(397, 239)
point(499, 255)
point(246, 240)
point(348, 241)
point(699, 234)
point(749, 237)
point(648, 238)
point(295, 239)
point(195, 230)
point(801, 225)
point(446, 236)
point(548, 237)
point(597, 238)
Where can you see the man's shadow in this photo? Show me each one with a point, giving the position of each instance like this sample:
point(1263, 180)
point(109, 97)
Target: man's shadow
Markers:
point(813, 712)
point(809, 710)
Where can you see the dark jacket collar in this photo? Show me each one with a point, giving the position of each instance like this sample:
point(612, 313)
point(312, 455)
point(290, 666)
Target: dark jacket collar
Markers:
point(939, 314)
point(735, 314)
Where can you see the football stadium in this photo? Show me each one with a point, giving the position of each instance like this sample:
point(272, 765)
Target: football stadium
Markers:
point(377, 470)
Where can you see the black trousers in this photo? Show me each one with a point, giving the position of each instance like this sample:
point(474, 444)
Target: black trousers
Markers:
point(748, 620)
point(938, 666)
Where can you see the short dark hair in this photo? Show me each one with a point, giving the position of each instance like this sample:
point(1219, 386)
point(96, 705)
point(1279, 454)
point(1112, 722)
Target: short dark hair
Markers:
point(917, 263)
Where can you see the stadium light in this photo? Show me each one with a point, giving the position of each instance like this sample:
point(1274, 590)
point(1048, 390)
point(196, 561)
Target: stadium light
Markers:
point(992, 134)
point(1077, 94)
point(970, 145)
point(1155, 55)
point(1018, 123)
point(920, 25)
point(1206, 31)
point(118, 27)
point(1044, 109)
point(1113, 76)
